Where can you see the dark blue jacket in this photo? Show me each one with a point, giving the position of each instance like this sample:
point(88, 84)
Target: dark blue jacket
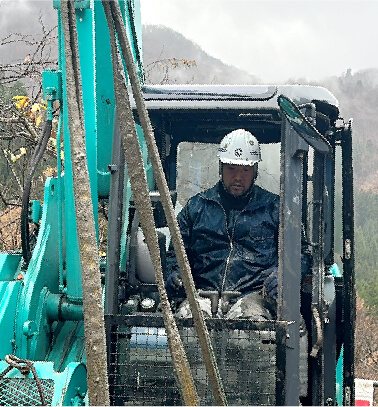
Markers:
point(236, 256)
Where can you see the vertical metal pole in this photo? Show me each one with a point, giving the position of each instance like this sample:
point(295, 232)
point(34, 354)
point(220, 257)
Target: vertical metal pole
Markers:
point(305, 192)
point(348, 265)
point(318, 281)
point(289, 270)
point(113, 253)
point(330, 337)
point(114, 224)
point(329, 208)
point(329, 344)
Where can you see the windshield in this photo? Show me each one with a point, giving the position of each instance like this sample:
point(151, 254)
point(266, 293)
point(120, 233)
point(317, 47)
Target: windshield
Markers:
point(198, 168)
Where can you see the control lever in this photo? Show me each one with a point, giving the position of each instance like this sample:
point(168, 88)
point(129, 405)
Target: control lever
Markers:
point(214, 299)
point(226, 297)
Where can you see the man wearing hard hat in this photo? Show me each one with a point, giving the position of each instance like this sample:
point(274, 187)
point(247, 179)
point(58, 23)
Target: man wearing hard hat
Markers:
point(230, 233)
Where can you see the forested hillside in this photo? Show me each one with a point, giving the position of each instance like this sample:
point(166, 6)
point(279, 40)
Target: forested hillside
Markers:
point(169, 57)
point(358, 96)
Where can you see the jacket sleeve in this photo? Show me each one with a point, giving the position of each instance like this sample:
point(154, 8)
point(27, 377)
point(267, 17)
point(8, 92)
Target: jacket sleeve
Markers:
point(174, 286)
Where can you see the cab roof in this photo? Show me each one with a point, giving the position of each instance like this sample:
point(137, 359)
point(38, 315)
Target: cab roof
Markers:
point(232, 96)
point(205, 113)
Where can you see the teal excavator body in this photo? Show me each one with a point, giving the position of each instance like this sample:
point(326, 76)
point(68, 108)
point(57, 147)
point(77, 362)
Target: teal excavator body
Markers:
point(41, 308)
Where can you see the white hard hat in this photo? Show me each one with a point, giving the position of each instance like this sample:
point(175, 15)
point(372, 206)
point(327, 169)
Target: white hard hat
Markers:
point(239, 147)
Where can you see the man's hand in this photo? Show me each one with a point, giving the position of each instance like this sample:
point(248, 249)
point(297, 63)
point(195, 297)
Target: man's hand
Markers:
point(176, 280)
point(270, 286)
point(174, 284)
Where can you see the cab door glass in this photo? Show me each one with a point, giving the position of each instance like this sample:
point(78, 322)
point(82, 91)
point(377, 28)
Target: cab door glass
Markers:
point(198, 169)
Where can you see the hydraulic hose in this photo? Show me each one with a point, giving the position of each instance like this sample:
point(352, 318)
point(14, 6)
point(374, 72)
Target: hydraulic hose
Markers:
point(36, 158)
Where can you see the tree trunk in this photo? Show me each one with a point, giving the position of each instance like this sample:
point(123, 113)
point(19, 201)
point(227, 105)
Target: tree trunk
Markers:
point(94, 327)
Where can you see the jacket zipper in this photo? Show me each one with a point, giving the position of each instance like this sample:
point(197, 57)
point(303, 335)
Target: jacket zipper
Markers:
point(231, 248)
point(230, 237)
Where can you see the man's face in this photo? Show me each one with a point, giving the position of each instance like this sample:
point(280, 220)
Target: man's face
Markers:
point(237, 179)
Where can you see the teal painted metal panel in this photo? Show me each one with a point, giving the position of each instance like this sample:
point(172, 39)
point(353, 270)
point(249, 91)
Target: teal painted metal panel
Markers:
point(71, 258)
point(99, 108)
point(86, 28)
point(68, 344)
point(104, 100)
point(335, 270)
point(9, 263)
point(42, 272)
point(339, 378)
point(9, 292)
point(132, 19)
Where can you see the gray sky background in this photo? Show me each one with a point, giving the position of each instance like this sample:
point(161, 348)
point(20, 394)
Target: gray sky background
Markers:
point(273, 39)
point(277, 39)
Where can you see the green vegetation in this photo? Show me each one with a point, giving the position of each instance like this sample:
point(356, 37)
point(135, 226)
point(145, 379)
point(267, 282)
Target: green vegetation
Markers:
point(358, 97)
point(366, 204)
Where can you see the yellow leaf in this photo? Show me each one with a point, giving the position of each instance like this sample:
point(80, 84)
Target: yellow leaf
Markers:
point(38, 120)
point(23, 101)
point(50, 172)
point(36, 108)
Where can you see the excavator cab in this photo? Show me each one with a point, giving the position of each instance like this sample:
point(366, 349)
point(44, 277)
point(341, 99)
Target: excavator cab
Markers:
point(300, 132)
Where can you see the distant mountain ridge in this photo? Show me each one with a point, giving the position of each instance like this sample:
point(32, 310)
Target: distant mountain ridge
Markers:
point(161, 43)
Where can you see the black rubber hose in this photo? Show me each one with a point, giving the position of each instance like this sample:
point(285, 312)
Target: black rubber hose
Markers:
point(36, 158)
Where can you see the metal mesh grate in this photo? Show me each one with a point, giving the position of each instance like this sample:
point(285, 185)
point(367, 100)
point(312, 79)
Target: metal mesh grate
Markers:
point(141, 373)
point(15, 392)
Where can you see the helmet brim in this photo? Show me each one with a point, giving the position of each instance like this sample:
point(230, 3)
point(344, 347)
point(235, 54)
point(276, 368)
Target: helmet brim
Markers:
point(250, 163)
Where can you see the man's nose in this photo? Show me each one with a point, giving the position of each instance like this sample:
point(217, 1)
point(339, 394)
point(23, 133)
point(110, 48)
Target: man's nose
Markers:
point(238, 175)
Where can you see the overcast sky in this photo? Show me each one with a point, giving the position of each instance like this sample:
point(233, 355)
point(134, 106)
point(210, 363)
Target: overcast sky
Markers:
point(273, 39)
point(277, 39)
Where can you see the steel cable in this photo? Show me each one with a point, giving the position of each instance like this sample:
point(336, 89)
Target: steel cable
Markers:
point(15, 362)
point(202, 332)
point(134, 161)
